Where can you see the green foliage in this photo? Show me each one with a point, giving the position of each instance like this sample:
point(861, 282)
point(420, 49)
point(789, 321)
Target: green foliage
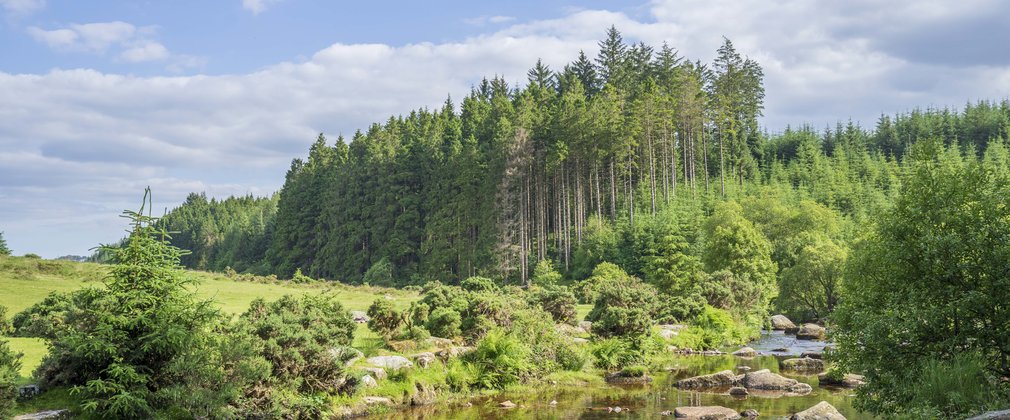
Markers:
point(33, 256)
point(559, 301)
point(444, 322)
point(733, 244)
point(129, 350)
point(923, 285)
point(379, 274)
point(614, 353)
point(383, 318)
point(478, 284)
point(637, 371)
point(810, 288)
point(500, 360)
point(10, 364)
point(623, 307)
point(300, 278)
point(6, 328)
point(545, 275)
point(48, 318)
point(4, 250)
point(599, 242)
point(588, 290)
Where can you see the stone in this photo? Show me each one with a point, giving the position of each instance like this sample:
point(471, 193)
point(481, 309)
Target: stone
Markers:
point(507, 404)
point(667, 334)
point(993, 415)
point(28, 391)
point(805, 364)
point(715, 380)
point(580, 340)
point(569, 330)
point(438, 342)
point(360, 317)
point(750, 414)
point(711, 412)
point(780, 350)
point(617, 379)
point(423, 395)
point(42, 415)
point(743, 368)
point(738, 391)
point(451, 352)
point(618, 409)
point(849, 380)
point(424, 359)
point(368, 382)
point(377, 373)
point(666, 413)
point(673, 327)
point(378, 401)
point(781, 323)
point(553, 403)
point(810, 332)
point(764, 379)
point(745, 352)
point(821, 411)
point(587, 326)
point(390, 362)
point(812, 355)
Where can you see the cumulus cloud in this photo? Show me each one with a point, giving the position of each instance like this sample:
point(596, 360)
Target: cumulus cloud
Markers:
point(484, 20)
point(77, 146)
point(133, 43)
point(257, 6)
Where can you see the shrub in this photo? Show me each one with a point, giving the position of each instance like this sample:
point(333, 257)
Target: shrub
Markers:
point(416, 333)
point(33, 256)
point(6, 328)
point(559, 302)
point(486, 311)
point(571, 357)
point(951, 387)
point(613, 353)
point(10, 364)
point(623, 307)
point(636, 371)
point(500, 360)
point(444, 322)
point(437, 295)
point(300, 278)
point(544, 274)
point(419, 313)
point(478, 284)
point(48, 318)
point(383, 318)
point(672, 309)
point(717, 328)
point(459, 375)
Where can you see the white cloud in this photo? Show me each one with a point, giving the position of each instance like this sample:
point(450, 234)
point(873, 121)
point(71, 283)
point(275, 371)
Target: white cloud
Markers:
point(257, 6)
point(484, 20)
point(148, 51)
point(95, 139)
point(22, 7)
point(133, 43)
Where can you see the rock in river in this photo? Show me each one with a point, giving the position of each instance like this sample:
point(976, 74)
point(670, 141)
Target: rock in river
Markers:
point(805, 364)
point(780, 322)
point(715, 380)
point(821, 411)
point(764, 379)
point(850, 380)
point(745, 352)
point(706, 413)
point(810, 332)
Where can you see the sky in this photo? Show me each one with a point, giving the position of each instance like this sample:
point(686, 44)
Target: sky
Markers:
point(100, 99)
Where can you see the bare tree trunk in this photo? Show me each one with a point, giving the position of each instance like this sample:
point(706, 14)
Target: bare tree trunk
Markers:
point(613, 190)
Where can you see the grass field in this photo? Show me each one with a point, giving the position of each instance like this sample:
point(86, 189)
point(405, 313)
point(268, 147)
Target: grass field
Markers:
point(25, 281)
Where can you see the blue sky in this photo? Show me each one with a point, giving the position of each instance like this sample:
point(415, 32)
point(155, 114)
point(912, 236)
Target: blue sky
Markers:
point(99, 99)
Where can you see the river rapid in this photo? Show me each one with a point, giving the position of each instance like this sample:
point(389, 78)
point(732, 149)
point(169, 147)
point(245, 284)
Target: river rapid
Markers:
point(649, 401)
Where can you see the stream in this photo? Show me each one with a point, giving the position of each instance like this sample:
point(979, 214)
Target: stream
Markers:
point(648, 401)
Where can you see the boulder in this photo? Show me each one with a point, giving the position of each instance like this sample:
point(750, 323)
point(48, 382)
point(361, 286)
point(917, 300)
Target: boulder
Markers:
point(993, 415)
point(376, 372)
point(359, 316)
point(424, 359)
point(812, 355)
point(617, 379)
point(821, 411)
point(423, 395)
point(378, 401)
point(780, 350)
point(668, 334)
point(745, 352)
point(711, 412)
point(805, 364)
point(781, 323)
point(48, 414)
point(368, 382)
point(738, 391)
point(810, 332)
point(715, 380)
point(570, 330)
point(764, 379)
point(743, 368)
point(586, 326)
point(750, 414)
point(438, 342)
point(451, 352)
point(507, 404)
point(666, 413)
point(390, 362)
point(849, 380)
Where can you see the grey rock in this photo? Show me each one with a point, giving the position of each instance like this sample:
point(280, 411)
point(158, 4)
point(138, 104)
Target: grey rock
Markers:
point(782, 323)
point(423, 395)
point(390, 362)
point(451, 352)
point(750, 414)
point(424, 359)
point(810, 332)
point(821, 411)
point(764, 379)
point(711, 412)
point(738, 391)
point(804, 364)
point(507, 404)
point(360, 317)
point(993, 415)
point(587, 326)
point(715, 380)
point(376, 372)
point(378, 401)
point(368, 382)
point(849, 380)
point(745, 352)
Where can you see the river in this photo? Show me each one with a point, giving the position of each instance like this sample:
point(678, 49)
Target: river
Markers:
point(648, 401)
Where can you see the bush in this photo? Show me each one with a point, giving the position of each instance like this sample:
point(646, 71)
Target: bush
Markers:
point(10, 365)
point(623, 307)
point(33, 256)
point(459, 375)
point(48, 318)
point(500, 360)
point(416, 333)
point(614, 353)
point(558, 301)
point(478, 284)
point(571, 357)
point(545, 275)
point(674, 309)
point(949, 388)
point(6, 328)
point(383, 318)
point(636, 371)
point(300, 278)
point(444, 322)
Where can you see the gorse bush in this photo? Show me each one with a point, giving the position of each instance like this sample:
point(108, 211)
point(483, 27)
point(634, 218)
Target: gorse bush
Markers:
point(444, 322)
point(48, 318)
point(558, 301)
point(6, 327)
point(383, 318)
point(10, 364)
